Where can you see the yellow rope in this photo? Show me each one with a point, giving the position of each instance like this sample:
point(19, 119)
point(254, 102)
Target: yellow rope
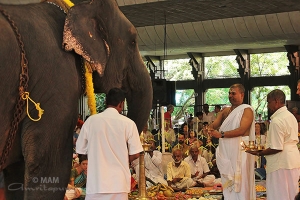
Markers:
point(69, 3)
point(90, 88)
point(25, 96)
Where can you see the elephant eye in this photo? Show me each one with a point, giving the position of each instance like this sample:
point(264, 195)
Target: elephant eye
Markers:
point(133, 42)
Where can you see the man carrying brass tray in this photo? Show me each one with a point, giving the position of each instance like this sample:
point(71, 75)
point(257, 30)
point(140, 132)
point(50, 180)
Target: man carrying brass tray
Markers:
point(282, 154)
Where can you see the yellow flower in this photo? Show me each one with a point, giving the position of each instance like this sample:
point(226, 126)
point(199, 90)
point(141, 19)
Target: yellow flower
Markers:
point(90, 88)
point(69, 3)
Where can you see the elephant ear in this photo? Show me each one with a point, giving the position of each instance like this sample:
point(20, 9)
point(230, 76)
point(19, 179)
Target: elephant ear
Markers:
point(87, 37)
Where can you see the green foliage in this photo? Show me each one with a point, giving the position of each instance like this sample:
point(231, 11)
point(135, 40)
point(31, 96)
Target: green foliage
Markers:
point(100, 102)
point(185, 103)
point(269, 64)
point(217, 96)
point(259, 98)
point(178, 70)
point(221, 67)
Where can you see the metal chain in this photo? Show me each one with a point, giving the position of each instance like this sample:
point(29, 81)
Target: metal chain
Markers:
point(19, 108)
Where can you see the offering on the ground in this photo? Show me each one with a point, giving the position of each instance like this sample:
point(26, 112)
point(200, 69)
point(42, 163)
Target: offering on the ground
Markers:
point(195, 191)
point(203, 198)
point(215, 191)
point(161, 190)
point(260, 188)
point(182, 196)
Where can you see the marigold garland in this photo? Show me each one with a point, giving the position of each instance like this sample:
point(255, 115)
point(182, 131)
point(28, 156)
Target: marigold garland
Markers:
point(88, 77)
point(90, 88)
point(69, 3)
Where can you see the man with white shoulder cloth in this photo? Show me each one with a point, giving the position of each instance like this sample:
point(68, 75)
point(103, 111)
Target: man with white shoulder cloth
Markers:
point(236, 124)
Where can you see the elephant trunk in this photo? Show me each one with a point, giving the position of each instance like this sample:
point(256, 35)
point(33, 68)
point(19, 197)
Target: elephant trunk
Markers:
point(139, 100)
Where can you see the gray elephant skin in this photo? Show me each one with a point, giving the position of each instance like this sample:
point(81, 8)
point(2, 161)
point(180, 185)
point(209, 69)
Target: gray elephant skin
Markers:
point(39, 162)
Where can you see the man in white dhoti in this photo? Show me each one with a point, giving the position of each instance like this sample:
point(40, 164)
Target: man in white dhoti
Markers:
point(236, 166)
point(153, 166)
point(282, 154)
point(199, 167)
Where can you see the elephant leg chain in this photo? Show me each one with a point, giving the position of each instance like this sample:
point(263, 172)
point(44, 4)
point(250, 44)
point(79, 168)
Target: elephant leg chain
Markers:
point(19, 108)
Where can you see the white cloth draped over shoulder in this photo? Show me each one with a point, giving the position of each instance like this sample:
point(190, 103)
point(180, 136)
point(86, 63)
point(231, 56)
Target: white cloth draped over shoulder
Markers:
point(236, 166)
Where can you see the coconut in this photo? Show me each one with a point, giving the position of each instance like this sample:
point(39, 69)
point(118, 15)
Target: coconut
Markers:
point(168, 193)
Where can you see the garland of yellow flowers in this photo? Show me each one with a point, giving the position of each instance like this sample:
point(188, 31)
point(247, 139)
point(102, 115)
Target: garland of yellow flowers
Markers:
point(90, 87)
point(69, 3)
point(88, 78)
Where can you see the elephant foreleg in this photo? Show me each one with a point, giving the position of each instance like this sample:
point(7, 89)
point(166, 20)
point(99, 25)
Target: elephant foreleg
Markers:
point(47, 178)
point(14, 180)
point(48, 160)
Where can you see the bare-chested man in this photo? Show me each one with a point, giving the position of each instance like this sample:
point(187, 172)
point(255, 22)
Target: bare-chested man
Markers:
point(235, 124)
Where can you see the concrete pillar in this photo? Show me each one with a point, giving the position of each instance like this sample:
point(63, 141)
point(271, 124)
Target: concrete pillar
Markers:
point(243, 60)
point(197, 63)
point(293, 53)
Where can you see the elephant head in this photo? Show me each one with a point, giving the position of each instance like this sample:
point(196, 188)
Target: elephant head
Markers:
point(103, 36)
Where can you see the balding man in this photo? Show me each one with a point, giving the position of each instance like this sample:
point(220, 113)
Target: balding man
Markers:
point(282, 154)
point(179, 173)
point(199, 167)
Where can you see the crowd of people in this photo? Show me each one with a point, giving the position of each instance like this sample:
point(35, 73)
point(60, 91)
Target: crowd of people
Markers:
point(206, 151)
point(207, 155)
point(235, 124)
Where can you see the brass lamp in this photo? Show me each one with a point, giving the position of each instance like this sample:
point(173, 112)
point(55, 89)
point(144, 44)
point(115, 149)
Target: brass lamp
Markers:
point(142, 177)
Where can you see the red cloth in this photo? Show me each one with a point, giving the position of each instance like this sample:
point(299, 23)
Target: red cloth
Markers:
point(168, 120)
point(79, 123)
point(133, 184)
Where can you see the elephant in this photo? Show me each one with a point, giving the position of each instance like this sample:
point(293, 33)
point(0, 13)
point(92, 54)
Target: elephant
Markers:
point(42, 51)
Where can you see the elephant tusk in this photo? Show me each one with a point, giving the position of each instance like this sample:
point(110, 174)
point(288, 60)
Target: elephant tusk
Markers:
point(90, 35)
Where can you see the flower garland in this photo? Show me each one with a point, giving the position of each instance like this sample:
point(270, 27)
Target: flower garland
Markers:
point(90, 88)
point(88, 77)
point(69, 3)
